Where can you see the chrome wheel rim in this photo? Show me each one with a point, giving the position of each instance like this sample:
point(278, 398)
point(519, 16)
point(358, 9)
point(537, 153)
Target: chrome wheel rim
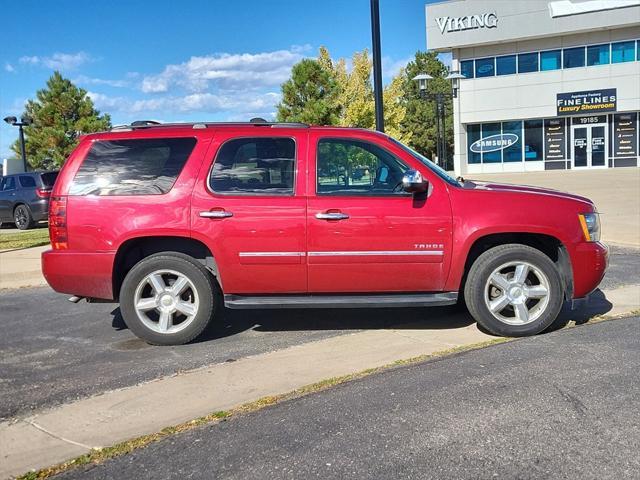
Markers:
point(20, 217)
point(166, 301)
point(517, 293)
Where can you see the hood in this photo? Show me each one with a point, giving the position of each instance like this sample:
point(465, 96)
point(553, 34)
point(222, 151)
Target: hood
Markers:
point(506, 187)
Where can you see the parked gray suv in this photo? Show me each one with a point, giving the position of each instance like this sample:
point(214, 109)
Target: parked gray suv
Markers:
point(24, 198)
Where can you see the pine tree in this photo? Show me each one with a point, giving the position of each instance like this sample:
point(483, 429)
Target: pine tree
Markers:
point(309, 95)
point(60, 113)
point(419, 124)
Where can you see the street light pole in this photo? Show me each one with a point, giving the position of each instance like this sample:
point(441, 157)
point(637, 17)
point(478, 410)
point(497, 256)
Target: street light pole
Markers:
point(440, 109)
point(377, 64)
point(24, 121)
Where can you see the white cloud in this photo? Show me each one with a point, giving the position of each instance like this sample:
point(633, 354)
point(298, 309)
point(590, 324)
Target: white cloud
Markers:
point(391, 67)
point(226, 71)
point(9, 68)
point(84, 80)
point(57, 61)
point(240, 104)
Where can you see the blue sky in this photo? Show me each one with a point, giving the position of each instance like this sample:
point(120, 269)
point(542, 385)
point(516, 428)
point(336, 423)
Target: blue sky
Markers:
point(187, 60)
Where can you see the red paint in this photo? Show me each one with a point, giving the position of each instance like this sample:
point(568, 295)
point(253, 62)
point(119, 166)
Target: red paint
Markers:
point(448, 221)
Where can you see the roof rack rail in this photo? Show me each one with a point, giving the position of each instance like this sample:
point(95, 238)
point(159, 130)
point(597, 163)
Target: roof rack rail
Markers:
point(256, 122)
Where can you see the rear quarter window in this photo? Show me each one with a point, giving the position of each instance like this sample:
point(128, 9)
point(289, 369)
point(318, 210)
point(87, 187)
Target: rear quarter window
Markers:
point(27, 182)
point(132, 167)
point(49, 178)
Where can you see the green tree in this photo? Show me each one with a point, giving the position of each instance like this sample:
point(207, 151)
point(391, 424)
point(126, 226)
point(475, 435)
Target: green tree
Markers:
point(61, 113)
point(309, 95)
point(419, 123)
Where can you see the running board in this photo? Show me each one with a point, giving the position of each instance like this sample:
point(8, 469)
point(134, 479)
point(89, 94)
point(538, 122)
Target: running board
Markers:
point(342, 301)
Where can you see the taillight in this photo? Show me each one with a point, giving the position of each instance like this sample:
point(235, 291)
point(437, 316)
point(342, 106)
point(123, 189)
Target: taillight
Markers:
point(58, 222)
point(43, 193)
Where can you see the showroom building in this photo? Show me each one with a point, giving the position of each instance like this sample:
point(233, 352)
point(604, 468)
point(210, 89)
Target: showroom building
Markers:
point(549, 84)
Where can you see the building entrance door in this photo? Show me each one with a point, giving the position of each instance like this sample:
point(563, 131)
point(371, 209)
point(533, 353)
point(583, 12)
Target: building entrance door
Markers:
point(589, 146)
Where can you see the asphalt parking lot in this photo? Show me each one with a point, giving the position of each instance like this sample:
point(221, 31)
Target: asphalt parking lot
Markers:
point(55, 351)
point(562, 405)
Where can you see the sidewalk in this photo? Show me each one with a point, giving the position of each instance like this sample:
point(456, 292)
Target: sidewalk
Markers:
point(67, 431)
point(21, 268)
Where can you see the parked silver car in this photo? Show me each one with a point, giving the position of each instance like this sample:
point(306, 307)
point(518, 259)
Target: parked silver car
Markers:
point(24, 198)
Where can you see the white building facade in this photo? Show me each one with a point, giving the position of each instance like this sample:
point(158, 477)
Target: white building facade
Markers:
point(550, 85)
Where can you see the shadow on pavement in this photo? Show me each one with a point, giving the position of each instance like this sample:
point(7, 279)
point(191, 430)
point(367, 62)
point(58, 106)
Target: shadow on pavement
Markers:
point(232, 322)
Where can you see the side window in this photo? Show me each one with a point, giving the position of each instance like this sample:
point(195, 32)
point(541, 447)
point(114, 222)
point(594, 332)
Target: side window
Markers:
point(27, 182)
point(147, 166)
point(9, 183)
point(250, 166)
point(355, 167)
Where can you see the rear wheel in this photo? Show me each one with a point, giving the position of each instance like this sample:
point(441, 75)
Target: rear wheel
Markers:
point(168, 299)
point(514, 290)
point(23, 218)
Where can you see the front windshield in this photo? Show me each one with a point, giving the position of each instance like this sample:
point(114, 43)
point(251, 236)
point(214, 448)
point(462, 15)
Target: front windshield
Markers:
point(441, 172)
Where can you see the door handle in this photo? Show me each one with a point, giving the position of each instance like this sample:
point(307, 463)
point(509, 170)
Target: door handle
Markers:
point(332, 216)
point(216, 214)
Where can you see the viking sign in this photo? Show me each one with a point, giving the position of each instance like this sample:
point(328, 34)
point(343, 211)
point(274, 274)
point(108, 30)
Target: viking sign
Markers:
point(494, 143)
point(468, 22)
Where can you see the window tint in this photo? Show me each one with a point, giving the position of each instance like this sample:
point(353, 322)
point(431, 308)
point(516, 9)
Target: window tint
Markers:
point(473, 135)
point(573, 57)
point(513, 153)
point(355, 167)
point(9, 183)
point(485, 67)
point(622, 52)
point(528, 62)
point(132, 167)
point(49, 178)
point(261, 165)
point(533, 140)
point(506, 65)
point(26, 181)
point(550, 60)
point(466, 68)
point(598, 55)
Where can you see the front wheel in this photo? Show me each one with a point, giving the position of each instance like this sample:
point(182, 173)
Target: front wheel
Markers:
point(168, 299)
point(514, 290)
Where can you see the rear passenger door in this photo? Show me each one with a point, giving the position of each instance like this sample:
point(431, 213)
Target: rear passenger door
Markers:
point(249, 208)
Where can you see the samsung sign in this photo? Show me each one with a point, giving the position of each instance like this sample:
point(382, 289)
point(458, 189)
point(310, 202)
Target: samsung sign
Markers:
point(468, 22)
point(493, 143)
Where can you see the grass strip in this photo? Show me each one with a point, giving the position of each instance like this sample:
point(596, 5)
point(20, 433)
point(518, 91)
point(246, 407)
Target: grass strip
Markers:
point(26, 239)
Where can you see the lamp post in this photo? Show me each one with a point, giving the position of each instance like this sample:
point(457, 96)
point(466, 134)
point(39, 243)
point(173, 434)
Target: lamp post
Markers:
point(24, 121)
point(440, 99)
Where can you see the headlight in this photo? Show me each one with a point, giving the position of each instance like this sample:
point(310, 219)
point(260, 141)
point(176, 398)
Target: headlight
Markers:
point(590, 223)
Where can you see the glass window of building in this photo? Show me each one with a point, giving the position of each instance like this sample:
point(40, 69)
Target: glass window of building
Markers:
point(489, 130)
point(597, 55)
point(550, 60)
point(528, 62)
point(485, 67)
point(573, 57)
point(473, 135)
point(506, 65)
point(623, 52)
point(512, 153)
point(466, 68)
point(533, 146)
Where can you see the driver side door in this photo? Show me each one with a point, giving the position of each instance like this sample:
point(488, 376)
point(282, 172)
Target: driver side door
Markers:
point(364, 233)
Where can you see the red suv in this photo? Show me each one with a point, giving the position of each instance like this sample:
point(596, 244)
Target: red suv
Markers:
point(176, 221)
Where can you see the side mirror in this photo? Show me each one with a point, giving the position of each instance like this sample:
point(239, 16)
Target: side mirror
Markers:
point(413, 182)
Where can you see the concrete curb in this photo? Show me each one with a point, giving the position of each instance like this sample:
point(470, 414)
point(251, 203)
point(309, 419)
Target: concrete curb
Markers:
point(70, 430)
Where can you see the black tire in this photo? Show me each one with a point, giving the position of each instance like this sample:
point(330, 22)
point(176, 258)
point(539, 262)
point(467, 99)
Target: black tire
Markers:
point(476, 288)
point(201, 279)
point(22, 217)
